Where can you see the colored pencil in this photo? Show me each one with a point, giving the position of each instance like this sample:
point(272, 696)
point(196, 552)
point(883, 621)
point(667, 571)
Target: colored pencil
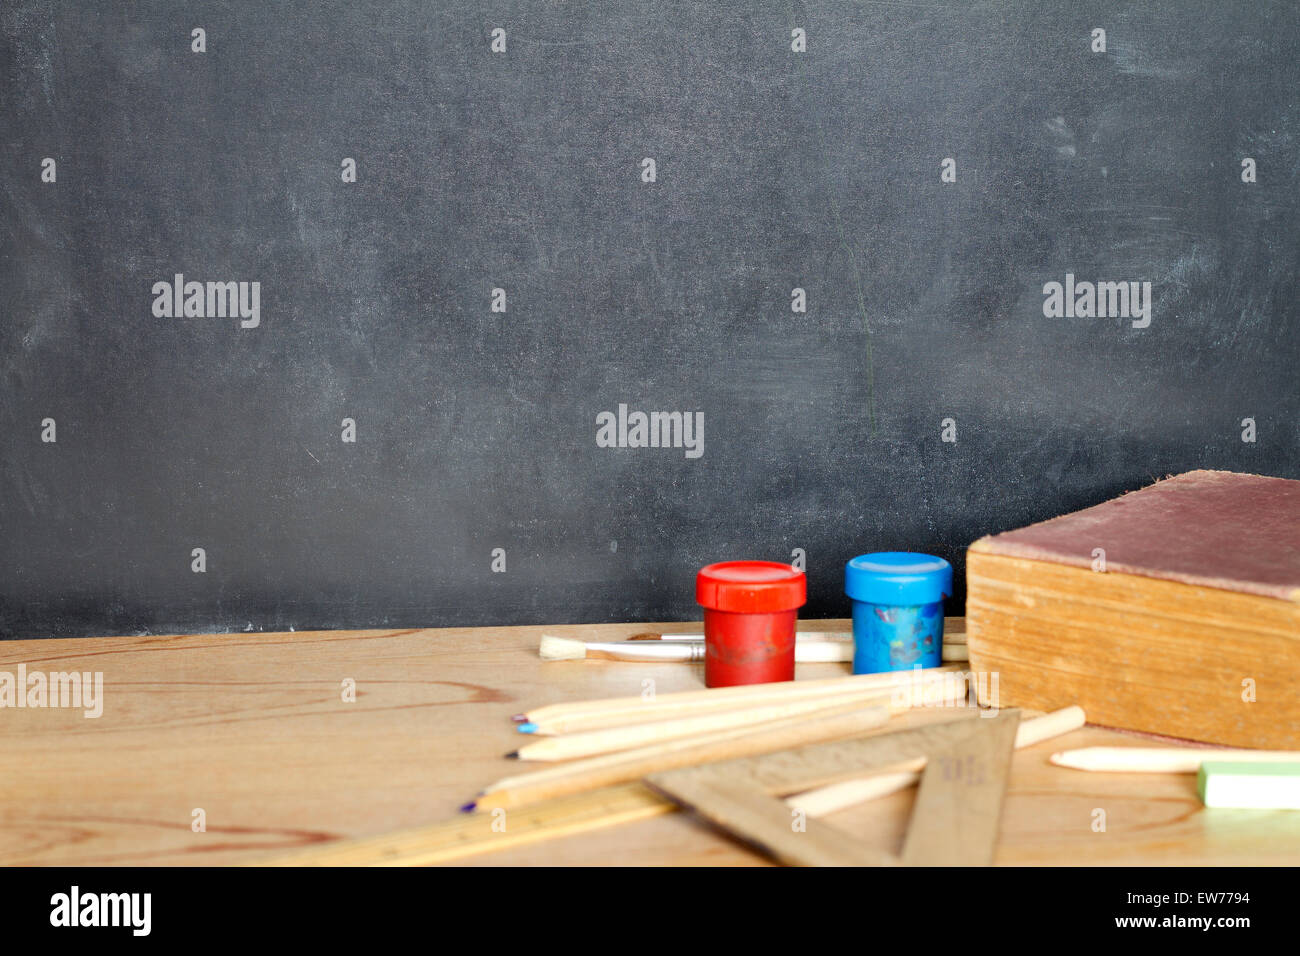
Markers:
point(610, 712)
point(849, 718)
point(607, 740)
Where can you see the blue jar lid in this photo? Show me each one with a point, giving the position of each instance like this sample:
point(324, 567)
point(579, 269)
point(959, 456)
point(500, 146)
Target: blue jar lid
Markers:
point(898, 577)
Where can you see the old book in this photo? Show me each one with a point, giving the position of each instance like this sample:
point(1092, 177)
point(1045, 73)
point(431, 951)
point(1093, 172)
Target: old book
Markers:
point(1173, 610)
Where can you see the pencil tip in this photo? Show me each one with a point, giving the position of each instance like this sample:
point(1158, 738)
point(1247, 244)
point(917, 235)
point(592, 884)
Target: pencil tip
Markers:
point(468, 807)
point(513, 755)
point(527, 728)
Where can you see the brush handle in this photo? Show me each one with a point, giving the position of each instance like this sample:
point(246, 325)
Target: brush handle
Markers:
point(814, 637)
point(812, 652)
point(816, 648)
point(823, 652)
point(646, 651)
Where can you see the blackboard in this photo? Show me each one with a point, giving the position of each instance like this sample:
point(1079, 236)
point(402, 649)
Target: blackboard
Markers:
point(921, 171)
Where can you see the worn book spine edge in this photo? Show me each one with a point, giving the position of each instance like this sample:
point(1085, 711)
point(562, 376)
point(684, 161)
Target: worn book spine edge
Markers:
point(989, 545)
point(1157, 656)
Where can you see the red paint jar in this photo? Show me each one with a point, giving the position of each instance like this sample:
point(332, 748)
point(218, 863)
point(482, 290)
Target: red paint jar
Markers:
point(750, 609)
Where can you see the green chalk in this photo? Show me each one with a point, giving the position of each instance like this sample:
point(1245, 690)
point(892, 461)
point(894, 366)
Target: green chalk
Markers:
point(1246, 785)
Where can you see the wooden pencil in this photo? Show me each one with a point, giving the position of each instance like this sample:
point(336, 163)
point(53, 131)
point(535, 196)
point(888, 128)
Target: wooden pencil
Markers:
point(625, 737)
point(844, 720)
point(615, 711)
point(1162, 759)
point(850, 793)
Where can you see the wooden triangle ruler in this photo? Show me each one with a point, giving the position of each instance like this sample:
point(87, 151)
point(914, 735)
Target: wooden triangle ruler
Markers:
point(954, 820)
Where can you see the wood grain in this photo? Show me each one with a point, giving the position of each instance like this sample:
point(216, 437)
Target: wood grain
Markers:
point(465, 835)
point(252, 729)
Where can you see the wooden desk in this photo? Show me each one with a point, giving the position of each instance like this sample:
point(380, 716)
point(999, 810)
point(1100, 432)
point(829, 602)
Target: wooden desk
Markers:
point(252, 729)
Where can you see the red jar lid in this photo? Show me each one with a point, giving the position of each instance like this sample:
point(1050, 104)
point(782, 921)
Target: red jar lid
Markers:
point(751, 587)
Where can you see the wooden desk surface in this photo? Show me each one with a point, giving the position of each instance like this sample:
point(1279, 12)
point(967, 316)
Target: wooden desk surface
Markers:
point(252, 729)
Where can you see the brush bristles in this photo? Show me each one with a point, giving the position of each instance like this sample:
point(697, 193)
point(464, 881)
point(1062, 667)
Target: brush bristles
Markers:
point(561, 649)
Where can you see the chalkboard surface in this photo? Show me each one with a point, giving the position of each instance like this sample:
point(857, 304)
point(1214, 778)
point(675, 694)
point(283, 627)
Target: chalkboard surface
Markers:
point(319, 315)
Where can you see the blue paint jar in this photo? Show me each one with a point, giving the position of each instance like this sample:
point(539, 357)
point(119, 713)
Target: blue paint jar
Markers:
point(897, 610)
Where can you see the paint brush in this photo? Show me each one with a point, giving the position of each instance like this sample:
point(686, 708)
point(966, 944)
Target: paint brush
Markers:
point(954, 637)
point(808, 649)
point(799, 636)
point(567, 649)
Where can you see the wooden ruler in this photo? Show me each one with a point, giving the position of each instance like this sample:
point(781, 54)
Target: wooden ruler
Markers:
point(954, 821)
